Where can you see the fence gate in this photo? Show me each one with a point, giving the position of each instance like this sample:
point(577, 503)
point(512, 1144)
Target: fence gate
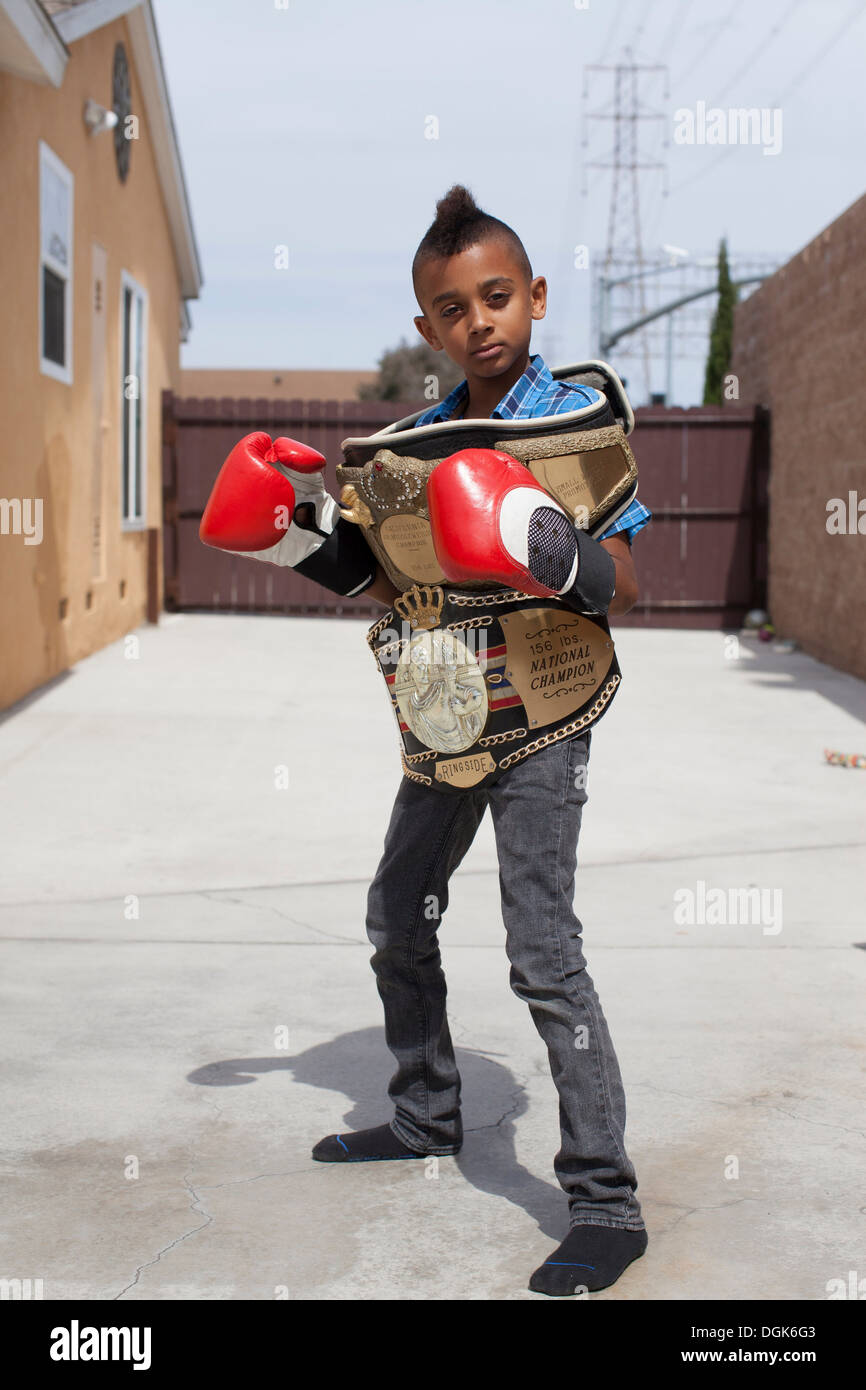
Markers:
point(701, 562)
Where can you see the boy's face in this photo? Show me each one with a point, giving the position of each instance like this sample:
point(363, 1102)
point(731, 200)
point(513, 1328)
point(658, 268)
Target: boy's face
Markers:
point(478, 308)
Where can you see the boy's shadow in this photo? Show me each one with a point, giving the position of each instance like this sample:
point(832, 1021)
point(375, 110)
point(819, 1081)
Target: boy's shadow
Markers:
point(491, 1101)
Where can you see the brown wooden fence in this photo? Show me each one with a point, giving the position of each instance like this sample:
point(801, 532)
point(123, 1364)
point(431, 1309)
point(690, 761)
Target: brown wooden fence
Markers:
point(701, 562)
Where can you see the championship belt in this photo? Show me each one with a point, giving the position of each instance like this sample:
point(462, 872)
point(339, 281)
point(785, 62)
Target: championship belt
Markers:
point(479, 681)
point(582, 458)
point(480, 676)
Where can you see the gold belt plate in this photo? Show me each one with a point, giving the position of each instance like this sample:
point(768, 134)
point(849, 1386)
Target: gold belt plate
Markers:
point(408, 541)
point(556, 661)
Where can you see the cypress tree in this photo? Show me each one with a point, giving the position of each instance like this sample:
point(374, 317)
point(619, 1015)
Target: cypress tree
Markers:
point(721, 333)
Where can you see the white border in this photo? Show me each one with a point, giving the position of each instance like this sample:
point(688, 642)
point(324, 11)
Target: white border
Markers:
point(127, 280)
point(46, 366)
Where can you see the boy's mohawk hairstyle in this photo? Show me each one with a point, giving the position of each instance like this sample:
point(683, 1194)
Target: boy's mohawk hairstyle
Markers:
point(460, 223)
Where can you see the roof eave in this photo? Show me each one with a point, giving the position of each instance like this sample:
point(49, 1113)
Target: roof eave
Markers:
point(30, 45)
point(151, 76)
point(83, 19)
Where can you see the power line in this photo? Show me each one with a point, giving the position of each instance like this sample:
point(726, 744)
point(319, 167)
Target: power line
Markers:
point(627, 112)
point(578, 165)
point(614, 25)
point(760, 49)
point(816, 58)
point(655, 205)
point(674, 25)
point(717, 29)
point(806, 71)
point(640, 28)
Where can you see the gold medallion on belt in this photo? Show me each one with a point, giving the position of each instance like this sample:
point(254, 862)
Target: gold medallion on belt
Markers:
point(474, 695)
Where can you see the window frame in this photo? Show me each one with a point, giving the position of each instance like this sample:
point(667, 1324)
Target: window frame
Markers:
point(47, 367)
point(128, 462)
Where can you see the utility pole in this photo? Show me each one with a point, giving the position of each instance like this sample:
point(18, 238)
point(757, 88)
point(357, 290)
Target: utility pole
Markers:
point(627, 107)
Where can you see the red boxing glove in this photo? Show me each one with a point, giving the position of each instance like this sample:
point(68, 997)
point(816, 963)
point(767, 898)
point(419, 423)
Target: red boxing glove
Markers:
point(269, 502)
point(491, 520)
point(252, 503)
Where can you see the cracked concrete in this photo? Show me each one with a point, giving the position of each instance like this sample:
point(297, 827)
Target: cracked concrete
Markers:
point(173, 1244)
point(188, 1005)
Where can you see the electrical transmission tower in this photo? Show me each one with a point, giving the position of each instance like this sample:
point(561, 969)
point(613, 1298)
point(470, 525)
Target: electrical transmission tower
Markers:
point(629, 108)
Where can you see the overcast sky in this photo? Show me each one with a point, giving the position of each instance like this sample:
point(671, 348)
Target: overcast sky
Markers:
point(306, 125)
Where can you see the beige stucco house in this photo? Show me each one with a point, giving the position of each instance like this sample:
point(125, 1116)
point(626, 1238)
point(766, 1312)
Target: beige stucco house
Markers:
point(99, 259)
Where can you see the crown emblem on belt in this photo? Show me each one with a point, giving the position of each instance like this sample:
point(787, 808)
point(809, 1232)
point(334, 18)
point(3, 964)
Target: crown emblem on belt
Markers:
point(421, 605)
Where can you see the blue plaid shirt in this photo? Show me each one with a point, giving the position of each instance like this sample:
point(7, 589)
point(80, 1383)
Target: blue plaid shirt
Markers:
point(536, 394)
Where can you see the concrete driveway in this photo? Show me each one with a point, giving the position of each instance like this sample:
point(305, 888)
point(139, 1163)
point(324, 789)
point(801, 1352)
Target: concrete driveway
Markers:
point(190, 820)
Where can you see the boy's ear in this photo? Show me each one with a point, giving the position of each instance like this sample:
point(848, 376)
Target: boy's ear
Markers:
point(538, 297)
point(427, 332)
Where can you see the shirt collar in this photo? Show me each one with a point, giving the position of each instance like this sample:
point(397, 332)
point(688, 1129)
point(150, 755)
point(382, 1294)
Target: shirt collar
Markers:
point(534, 382)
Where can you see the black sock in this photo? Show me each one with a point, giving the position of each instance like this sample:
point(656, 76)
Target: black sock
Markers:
point(365, 1146)
point(592, 1256)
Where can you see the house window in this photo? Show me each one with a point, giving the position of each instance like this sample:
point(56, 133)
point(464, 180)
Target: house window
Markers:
point(55, 266)
point(133, 397)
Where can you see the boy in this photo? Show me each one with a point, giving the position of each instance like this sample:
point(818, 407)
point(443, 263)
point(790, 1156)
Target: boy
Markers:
point(478, 297)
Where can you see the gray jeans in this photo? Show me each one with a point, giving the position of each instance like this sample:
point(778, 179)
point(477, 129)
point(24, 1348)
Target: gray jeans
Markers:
point(536, 808)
